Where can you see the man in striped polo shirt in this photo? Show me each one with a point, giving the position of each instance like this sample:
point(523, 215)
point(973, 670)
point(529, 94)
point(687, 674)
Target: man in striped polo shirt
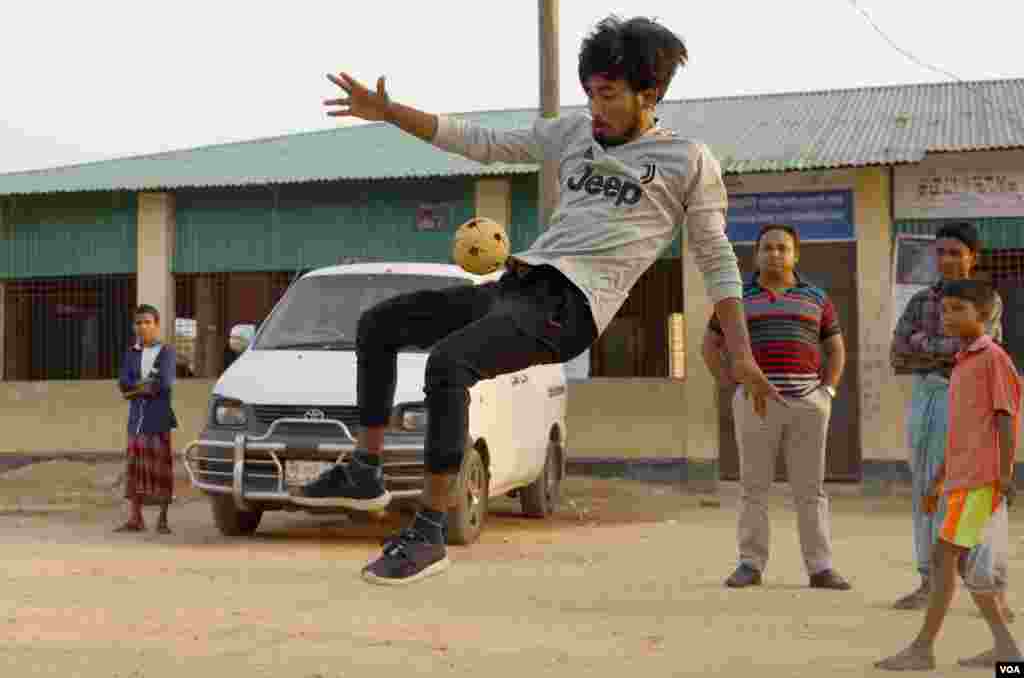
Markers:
point(791, 323)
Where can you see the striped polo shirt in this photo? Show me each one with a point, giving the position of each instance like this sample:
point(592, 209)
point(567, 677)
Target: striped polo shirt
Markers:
point(786, 333)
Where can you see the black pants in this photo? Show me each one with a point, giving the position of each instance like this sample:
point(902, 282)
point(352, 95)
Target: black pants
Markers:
point(477, 332)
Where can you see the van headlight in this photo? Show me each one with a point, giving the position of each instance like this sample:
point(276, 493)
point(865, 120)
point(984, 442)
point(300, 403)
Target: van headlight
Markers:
point(230, 413)
point(411, 418)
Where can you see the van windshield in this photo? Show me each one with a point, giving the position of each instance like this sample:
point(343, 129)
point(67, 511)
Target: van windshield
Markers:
point(322, 312)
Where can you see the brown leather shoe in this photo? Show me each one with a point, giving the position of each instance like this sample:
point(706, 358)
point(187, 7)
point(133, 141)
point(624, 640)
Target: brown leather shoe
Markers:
point(744, 576)
point(829, 579)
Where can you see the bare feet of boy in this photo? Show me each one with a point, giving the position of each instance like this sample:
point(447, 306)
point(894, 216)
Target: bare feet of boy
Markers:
point(913, 658)
point(988, 659)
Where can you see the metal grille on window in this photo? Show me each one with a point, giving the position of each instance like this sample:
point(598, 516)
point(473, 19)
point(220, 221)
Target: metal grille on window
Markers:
point(67, 328)
point(208, 305)
point(1005, 268)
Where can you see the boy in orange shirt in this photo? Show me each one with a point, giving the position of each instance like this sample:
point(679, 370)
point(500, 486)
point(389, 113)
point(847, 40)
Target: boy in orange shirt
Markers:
point(975, 481)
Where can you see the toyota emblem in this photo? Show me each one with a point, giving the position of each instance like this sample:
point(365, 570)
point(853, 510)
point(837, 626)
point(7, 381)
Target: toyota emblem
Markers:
point(314, 414)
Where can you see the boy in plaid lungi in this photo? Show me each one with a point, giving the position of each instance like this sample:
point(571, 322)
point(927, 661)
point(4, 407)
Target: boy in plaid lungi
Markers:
point(146, 380)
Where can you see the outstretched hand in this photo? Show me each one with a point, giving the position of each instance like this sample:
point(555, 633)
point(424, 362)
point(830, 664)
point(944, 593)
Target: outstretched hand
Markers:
point(360, 102)
point(755, 384)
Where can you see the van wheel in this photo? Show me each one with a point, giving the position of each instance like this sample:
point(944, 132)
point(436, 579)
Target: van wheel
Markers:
point(540, 498)
point(232, 522)
point(467, 517)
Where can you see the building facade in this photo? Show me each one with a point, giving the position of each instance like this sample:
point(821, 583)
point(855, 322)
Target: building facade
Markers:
point(213, 237)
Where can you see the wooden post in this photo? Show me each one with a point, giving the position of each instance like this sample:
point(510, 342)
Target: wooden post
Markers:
point(548, 180)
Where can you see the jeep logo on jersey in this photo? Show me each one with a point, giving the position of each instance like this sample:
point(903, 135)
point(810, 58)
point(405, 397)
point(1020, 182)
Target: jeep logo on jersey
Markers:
point(624, 192)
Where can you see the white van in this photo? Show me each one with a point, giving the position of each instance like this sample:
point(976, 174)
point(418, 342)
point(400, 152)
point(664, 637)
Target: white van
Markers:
point(286, 409)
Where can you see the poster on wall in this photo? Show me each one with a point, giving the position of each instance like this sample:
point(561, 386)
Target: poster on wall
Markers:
point(433, 216)
point(817, 215)
point(913, 269)
point(956, 193)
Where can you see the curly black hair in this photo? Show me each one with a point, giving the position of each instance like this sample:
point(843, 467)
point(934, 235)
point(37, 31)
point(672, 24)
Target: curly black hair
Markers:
point(639, 50)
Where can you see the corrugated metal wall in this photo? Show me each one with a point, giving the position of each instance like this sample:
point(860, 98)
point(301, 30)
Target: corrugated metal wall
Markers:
point(68, 235)
point(996, 233)
point(525, 226)
point(311, 225)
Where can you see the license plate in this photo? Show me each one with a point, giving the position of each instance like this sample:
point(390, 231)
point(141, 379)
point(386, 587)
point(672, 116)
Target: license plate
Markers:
point(301, 472)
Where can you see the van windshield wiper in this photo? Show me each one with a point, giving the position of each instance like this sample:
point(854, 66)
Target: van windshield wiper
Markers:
point(336, 345)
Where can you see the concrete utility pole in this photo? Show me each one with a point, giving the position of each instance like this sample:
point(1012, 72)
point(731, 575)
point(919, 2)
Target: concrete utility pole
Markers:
point(548, 193)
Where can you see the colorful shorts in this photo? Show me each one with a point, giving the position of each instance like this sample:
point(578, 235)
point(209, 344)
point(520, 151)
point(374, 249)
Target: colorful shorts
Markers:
point(968, 513)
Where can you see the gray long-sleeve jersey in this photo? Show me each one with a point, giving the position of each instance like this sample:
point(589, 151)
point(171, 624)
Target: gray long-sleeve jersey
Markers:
point(619, 208)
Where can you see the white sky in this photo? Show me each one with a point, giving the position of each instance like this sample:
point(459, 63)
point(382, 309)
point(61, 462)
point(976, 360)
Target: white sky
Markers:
point(107, 78)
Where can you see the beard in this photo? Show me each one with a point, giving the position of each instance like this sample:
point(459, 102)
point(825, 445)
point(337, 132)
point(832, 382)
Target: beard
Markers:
point(633, 132)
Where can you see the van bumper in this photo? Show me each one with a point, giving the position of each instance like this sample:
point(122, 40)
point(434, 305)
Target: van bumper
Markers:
point(253, 468)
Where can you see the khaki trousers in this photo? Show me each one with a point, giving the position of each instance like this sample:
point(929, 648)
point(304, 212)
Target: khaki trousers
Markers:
point(800, 430)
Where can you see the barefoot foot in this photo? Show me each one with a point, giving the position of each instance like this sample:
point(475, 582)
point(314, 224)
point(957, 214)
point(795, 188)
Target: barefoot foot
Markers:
point(988, 659)
point(911, 659)
point(984, 660)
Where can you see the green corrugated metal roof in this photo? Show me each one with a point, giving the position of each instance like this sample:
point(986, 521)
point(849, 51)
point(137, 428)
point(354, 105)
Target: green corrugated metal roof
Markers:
point(765, 133)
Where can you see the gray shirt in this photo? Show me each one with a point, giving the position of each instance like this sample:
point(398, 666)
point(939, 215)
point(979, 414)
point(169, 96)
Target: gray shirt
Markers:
point(619, 208)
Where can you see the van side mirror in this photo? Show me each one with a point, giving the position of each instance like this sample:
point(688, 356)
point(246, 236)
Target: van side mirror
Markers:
point(241, 337)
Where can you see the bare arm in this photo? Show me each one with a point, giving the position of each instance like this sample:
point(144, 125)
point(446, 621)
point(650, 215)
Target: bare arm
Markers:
point(413, 121)
point(835, 351)
point(1007, 450)
point(377, 106)
point(711, 352)
point(931, 500)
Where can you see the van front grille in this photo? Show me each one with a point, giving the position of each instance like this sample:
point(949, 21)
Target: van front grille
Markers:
point(348, 415)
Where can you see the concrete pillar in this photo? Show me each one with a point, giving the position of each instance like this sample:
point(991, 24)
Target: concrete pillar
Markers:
point(156, 233)
point(882, 408)
point(493, 200)
point(700, 400)
point(210, 337)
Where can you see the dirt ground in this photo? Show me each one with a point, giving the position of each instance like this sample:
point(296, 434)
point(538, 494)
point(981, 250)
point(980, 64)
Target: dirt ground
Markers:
point(627, 574)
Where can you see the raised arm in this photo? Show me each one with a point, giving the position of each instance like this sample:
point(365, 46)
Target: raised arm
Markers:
point(377, 106)
point(527, 145)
